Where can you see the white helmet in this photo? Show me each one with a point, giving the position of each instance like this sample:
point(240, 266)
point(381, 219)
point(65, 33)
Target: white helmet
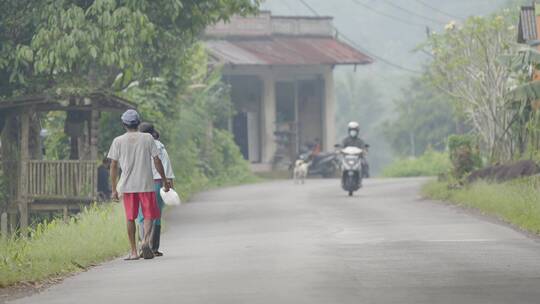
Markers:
point(353, 128)
point(353, 125)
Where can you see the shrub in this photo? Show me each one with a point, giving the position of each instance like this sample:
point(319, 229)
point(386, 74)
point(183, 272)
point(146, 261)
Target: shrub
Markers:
point(464, 155)
point(431, 163)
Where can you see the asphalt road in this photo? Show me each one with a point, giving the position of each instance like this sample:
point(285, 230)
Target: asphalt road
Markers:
point(283, 243)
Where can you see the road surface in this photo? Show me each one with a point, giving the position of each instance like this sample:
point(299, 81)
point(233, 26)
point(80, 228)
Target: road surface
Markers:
point(282, 243)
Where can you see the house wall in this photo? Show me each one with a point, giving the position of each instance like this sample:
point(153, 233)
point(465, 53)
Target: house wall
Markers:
point(329, 130)
point(264, 24)
point(302, 26)
point(316, 109)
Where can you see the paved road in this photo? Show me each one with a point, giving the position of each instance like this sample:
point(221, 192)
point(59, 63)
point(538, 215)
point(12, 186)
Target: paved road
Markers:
point(281, 243)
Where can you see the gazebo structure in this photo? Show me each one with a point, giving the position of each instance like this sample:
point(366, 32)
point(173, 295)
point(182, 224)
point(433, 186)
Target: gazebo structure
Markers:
point(47, 185)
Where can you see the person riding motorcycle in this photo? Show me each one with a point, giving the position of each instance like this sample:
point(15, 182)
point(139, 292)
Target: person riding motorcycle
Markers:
point(353, 140)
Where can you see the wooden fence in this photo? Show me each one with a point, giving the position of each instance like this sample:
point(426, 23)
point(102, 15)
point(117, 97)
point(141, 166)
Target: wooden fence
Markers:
point(64, 179)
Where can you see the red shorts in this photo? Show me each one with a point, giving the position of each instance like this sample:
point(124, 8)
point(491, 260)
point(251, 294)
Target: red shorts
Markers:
point(146, 200)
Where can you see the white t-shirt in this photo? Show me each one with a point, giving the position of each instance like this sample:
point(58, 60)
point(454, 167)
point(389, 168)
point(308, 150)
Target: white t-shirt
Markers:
point(134, 152)
point(164, 157)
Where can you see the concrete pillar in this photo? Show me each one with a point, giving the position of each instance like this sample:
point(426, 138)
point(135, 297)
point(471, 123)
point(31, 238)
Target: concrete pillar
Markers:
point(329, 111)
point(268, 142)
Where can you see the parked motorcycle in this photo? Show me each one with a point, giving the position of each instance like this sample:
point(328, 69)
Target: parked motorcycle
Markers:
point(324, 164)
point(351, 169)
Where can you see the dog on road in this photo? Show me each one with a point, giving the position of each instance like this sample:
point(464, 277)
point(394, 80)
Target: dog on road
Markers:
point(300, 172)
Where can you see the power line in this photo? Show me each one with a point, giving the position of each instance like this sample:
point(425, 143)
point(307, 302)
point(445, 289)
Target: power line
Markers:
point(382, 13)
point(388, 62)
point(353, 43)
point(413, 13)
point(438, 10)
point(309, 7)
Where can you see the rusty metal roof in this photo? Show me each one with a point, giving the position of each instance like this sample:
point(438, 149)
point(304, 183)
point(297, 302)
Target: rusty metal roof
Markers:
point(527, 24)
point(285, 50)
point(98, 100)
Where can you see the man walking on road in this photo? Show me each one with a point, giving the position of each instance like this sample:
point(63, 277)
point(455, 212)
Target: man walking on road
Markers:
point(134, 152)
point(158, 184)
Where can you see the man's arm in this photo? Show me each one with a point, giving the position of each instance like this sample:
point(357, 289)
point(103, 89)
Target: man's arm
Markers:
point(159, 167)
point(114, 179)
point(363, 144)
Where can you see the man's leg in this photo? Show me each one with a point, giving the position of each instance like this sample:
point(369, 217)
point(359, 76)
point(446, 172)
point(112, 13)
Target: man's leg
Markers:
point(147, 230)
point(130, 201)
point(131, 235)
point(156, 228)
point(156, 236)
point(151, 212)
point(140, 224)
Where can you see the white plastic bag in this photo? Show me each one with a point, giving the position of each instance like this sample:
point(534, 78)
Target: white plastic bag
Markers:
point(170, 198)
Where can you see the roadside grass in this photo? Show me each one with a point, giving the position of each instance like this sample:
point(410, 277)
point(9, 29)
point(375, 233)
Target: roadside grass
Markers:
point(516, 202)
point(431, 163)
point(55, 248)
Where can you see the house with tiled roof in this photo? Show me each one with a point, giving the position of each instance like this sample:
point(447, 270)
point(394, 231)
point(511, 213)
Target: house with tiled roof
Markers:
point(280, 69)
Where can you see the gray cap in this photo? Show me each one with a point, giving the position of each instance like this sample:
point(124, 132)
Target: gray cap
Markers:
point(131, 117)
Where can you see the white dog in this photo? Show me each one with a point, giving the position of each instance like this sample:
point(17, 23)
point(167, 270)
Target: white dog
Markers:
point(300, 173)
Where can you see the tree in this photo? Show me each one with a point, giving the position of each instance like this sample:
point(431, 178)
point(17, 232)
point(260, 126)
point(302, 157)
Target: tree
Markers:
point(357, 100)
point(424, 118)
point(72, 46)
point(466, 67)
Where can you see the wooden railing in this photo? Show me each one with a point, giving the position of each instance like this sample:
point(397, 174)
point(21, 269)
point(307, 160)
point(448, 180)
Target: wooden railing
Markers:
point(64, 179)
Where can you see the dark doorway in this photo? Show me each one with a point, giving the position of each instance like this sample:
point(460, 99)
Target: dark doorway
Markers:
point(240, 131)
point(246, 95)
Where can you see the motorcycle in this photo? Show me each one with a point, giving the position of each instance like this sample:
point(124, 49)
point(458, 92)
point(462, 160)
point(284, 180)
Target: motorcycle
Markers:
point(324, 164)
point(352, 173)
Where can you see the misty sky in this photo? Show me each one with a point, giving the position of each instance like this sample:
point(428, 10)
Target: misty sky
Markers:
point(395, 36)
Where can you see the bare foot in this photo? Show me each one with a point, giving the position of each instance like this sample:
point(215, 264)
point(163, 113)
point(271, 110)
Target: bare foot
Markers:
point(132, 257)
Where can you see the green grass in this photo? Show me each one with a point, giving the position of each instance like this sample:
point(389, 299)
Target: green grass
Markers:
point(57, 248)
point(517, 202)
point(432, 163)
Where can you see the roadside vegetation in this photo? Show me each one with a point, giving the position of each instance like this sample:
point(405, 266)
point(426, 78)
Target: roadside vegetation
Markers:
point(447, 109)
point(516, 202)
point(431, 163)
point(156, 62)
point(55, 248)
